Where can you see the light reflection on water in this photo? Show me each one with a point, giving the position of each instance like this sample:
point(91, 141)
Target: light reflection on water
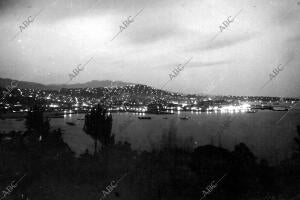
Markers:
point(259, 131)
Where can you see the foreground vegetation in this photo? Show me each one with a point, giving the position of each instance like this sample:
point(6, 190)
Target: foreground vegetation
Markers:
point(53, 172)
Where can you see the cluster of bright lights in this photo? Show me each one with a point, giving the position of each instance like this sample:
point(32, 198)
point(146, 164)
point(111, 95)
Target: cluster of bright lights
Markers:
point(239, 108)
point(53, 105)
point(127, 93)
point(123, 108)
point(195, 108)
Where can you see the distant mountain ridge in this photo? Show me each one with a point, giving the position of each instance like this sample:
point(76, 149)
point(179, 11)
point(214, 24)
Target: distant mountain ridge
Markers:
point(91, 84)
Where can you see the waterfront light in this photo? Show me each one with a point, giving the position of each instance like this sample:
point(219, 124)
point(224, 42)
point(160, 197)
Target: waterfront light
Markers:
point(245, 106)
point(53, 105)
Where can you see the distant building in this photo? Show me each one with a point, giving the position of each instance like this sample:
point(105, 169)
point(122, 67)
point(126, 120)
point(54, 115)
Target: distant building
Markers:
point(155, 108)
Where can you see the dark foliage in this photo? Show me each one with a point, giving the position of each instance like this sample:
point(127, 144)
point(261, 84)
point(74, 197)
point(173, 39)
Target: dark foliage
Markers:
point(167, 173)
point(36, 123)
point(98, 124)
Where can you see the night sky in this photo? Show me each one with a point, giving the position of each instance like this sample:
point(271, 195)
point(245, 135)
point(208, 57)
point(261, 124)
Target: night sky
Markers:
point(165, 33)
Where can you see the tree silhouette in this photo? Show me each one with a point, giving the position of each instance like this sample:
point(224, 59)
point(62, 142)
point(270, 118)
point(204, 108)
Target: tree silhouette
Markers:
point(297, 140)
point(296, 153)
point(98, 124)
point(36, 123)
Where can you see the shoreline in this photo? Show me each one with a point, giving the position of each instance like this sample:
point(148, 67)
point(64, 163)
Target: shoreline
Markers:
point(59, 114)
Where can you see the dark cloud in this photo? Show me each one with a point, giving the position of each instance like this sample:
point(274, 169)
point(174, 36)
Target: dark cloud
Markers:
point(286, 16)
point(153, 33)
point(5, 4)
point(167, 33)
point(207, 64)
point(196, 64)
point(9, 6)
point(294, 39)
point(72, 8)
point(220, 42)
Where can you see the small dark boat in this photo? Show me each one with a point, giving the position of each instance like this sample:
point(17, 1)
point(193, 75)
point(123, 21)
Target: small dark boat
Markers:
point(80, 119)
point(70, 123)
point(56, 116)
point(6, 138)
point(144, 117)
point(251, 111)
point(165, 118)
point(279, 108)
point(184, 118)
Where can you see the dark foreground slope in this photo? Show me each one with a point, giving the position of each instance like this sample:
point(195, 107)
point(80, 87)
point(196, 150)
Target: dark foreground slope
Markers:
point(52, 172)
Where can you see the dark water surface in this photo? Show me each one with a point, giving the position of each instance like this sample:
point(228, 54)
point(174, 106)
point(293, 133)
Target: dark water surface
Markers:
point(258, 131)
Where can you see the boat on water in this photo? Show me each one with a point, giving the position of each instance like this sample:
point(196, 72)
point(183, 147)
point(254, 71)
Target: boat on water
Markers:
point(144, 117)
point(184, 118)
point(6, 138)
point(251, 111)
point(56, 116)
point(70, 123)
point(80, 119)
point(159, 112)
point(165, 118)
point(279, 108)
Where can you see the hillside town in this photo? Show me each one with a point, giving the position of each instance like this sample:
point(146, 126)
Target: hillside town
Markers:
point(136, 98)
